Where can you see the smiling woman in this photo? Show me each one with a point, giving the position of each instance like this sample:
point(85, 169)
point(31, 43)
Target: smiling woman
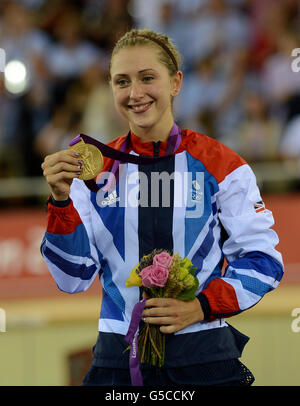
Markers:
point(145, 79)
point(85, 239)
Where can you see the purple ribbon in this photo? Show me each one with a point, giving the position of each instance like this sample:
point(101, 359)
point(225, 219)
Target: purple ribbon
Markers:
point(174, 140)
point(173, 143)
point(114, 169)
point(132, 339)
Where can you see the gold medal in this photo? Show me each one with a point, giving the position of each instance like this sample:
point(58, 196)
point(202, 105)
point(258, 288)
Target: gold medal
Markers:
point(91, 157)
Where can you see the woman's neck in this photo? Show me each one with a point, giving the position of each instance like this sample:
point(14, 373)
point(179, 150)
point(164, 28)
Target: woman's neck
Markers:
point(154, 133)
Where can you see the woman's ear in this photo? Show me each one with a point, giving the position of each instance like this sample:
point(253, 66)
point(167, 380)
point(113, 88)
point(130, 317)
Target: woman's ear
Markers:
point(176, 83)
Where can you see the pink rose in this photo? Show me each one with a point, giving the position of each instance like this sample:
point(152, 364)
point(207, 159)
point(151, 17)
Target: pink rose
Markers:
point(144, 274)
point(154, 275)
point(163, 259)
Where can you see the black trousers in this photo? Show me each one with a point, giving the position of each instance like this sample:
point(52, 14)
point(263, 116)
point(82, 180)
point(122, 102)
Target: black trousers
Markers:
point(224, 373)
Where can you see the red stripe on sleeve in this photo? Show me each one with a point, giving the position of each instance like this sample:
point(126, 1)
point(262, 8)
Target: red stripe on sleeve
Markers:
point(221, 297)
point(62, 220)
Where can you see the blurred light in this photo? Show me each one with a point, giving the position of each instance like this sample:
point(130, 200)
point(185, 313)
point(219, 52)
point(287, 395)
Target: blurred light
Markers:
point(134, 11)
point(15, 77)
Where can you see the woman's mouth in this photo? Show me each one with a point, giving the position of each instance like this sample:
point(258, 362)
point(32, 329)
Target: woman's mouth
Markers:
point(140, 108)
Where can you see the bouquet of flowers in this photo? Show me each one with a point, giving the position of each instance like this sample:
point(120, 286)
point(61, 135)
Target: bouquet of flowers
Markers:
point(166, 276)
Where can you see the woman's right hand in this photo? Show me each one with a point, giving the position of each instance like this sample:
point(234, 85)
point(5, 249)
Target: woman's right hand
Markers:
point(59, 170)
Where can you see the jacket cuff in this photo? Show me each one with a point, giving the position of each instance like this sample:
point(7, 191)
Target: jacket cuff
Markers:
point(205, 306)
point(58, 203)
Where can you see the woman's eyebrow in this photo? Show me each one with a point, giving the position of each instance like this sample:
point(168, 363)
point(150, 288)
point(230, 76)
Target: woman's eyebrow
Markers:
point(139, 72)
point(145, 70)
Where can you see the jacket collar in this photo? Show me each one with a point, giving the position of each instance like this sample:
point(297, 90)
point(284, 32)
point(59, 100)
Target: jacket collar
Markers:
point(146, 148)
point(158, 148)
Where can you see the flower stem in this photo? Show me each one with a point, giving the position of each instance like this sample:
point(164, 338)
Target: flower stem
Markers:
point(146, 328)
point(153, 344)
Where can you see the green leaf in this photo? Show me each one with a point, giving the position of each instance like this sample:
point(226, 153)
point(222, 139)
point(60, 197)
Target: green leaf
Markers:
point(190, 293)
point(126, 349)
point(193, 270)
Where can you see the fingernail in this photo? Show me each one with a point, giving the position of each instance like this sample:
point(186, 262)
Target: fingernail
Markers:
point(76, 154)
point(80, 162)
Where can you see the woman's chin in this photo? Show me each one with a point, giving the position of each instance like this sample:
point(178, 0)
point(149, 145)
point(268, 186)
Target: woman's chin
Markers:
point(141, 124)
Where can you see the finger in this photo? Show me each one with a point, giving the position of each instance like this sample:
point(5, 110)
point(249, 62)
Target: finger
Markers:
point(67, 156)
point(63, 167)
point(63, 152)
point(159, 302)
point(62, 176)
point(169, 329)
point(160, 312)
point(162, 321)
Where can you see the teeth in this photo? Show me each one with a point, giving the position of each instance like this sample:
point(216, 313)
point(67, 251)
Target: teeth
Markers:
point(141, 107)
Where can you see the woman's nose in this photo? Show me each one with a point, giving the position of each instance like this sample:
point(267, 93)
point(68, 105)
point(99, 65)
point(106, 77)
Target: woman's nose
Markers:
point(136, 91)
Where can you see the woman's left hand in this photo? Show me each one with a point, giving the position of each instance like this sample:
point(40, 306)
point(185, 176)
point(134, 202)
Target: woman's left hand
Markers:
point(172, 314)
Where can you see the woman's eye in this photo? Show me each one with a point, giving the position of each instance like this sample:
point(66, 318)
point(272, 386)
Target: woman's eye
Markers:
point(148, 78)
point(122, 82)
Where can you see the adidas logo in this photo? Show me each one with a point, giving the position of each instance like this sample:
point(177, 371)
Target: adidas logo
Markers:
point(112, 198)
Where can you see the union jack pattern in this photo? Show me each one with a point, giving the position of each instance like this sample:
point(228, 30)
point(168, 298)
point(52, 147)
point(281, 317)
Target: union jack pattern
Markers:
point(260, 207)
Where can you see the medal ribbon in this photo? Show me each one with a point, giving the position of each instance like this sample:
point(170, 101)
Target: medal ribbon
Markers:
point(173, 143)
point(132, 339)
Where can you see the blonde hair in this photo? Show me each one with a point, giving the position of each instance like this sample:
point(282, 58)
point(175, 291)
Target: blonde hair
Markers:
point(168, 53)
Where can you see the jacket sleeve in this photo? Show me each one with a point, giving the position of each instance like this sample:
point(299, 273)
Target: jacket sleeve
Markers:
point(68, 245)
point(254, 265)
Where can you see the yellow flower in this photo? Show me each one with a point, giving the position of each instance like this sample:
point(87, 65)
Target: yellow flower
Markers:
point(189, 281)
point(186, 263)
point(183, 272)
point(134, 279)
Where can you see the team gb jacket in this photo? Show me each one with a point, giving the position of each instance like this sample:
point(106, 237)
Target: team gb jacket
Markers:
point(202, 202)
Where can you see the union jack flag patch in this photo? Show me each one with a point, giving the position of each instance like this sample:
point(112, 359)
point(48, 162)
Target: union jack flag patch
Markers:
point(259, 207)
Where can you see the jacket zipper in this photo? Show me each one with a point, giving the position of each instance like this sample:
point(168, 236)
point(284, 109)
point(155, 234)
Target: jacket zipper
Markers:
point(156, 146)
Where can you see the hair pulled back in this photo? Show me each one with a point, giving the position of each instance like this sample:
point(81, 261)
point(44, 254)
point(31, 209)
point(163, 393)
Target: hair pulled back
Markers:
point(168, 53)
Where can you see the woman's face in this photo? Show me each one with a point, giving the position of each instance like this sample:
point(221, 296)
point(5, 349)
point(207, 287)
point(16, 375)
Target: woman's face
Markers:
point(142, 88)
